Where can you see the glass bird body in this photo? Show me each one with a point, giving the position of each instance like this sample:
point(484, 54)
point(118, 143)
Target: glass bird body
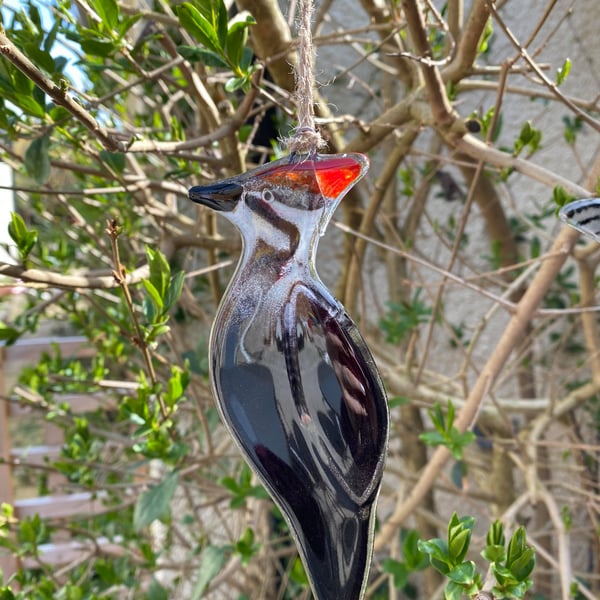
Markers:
point(293, 378)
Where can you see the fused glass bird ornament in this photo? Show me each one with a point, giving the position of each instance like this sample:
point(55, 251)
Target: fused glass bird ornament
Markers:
point(293, 378)
point(583, 215)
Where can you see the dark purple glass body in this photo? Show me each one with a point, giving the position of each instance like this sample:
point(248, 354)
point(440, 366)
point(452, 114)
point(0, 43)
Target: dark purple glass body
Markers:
point(293, 378)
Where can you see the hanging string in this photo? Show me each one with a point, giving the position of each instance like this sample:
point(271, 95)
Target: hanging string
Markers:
point(306, 138)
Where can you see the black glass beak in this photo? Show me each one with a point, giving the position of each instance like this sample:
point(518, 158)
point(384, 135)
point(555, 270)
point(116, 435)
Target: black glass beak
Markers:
point(222, 196)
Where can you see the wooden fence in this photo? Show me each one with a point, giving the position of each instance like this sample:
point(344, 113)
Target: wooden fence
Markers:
point(56, 505)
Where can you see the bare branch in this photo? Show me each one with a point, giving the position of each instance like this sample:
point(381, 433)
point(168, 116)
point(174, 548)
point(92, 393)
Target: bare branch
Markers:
point(57, 280)
point(509, 340)
point(468, 44)
point(551, 85)
point(227, 129)
point(443, 113)
point(479, 150)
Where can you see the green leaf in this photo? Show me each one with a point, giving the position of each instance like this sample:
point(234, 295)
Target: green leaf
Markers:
point(126, 24)
point(572, 127)
point(437, 550)
point(529, 137)
point(9, 335)
point(115, 160)
point(503, 576)
point(156, 591)
point(561, 196)
point(212, 559)
point(524, 565)
point(433, 438)
point(39, 57)
point(458, 473)
point(453, 591)
point(402, 318)
point(459, 545)
point(154, 503)
point(237, 37)
point(177, 384)
point(51, 36)
point(459, 441)
point(246, 547)
point(28, 104)
point(198, 27)
point(108, 11)
point(39, 96)
point(526, 133)
point(413, 557)
point(486, 36)
point(202, 55)
point(157, 301)
point(6, 593)
point(450, 418)
point(58, 113)
point(495, 535)
point(37, 159)
point(97, 48)
point(149, 308)
point(398, 571)
point(298, 574)
point(235, 83)
point(563, 72)
point(459, 537)
point(160, 271)
point(23, 86)
point(17, 228)
point(463, 574)
point(234, 47)
point(221, 21)
point(398, 401)
point(174, 291)
point(230, 483)
point(446, 434)
point(24, 238)
point(246, 60)
point(516, 546)
point(156, 331)
point(494, 553)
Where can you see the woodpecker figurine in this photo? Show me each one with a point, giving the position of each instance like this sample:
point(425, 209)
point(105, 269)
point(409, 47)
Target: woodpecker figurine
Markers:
point(294, 380)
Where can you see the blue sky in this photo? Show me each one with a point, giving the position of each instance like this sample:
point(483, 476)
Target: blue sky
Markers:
point(61, 47)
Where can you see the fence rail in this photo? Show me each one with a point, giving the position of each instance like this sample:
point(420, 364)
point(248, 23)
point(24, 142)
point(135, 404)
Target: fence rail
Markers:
point(55, 505)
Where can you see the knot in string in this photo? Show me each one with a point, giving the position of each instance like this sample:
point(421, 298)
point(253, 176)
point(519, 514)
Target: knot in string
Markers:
point(306, 140)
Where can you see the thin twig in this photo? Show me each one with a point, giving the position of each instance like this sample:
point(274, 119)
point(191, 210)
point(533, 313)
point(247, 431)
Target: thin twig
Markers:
point(44, 279)
point(507, 342)
point(477, 149)
point(443, 113)
point(120, 276)
point(225, 130)
point(551, 85)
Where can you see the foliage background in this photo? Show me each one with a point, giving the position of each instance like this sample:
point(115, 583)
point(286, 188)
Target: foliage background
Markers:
point(448, 254)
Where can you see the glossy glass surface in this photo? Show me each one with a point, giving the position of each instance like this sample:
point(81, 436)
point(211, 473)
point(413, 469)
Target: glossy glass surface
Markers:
point(293, 378)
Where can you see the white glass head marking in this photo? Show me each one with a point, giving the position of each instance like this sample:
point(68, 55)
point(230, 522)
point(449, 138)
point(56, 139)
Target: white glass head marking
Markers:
point(583, 215)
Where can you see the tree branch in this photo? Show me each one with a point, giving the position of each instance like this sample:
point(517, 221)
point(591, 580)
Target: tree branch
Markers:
point(467, 415)
point(479, 150)
point(551, 85)
point(58, 280)
point(466, 50)
point(225, 130)
point(443, 114)
point(58, 94)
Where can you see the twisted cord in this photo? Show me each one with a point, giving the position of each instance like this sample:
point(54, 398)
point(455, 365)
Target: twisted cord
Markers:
point(306, 138)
